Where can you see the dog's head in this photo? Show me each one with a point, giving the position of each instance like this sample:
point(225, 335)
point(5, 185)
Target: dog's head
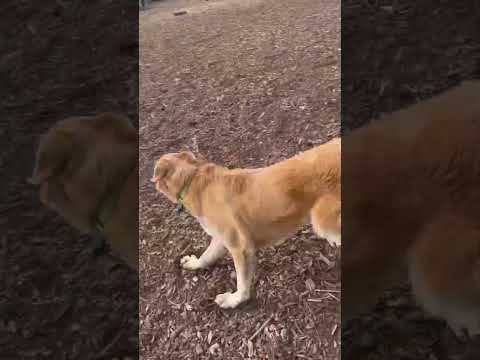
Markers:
point(172, 171)
point(77, 161)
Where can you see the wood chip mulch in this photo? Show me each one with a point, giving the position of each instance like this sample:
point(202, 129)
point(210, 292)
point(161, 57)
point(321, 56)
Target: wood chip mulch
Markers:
point(248, 84)
point(57, 300)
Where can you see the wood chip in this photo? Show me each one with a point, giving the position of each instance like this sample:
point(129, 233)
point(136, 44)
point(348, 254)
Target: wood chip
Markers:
point(334, 329)
point(178, 13)
point(251, 349)
point(261, 328)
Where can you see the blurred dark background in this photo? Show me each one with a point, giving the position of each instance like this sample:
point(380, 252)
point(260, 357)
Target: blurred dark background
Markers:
point(57, 59)
point(394, 54)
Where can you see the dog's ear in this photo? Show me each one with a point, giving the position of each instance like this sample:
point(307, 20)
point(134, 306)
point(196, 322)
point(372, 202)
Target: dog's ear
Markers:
point(163, 169)
point(55, 152)
point(200, 158)
point(187, 156)
point(191, 158)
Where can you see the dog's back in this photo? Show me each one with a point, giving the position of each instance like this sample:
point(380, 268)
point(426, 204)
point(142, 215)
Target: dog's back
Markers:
point(411, 198)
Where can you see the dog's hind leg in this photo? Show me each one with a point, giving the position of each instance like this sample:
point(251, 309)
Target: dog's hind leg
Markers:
point(326, 219)
point(444, 266)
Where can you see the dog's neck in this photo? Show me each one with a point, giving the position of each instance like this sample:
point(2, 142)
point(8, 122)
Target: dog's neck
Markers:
point(189, 195)
point(184, 191)
point(206, 175)
point(109, 201)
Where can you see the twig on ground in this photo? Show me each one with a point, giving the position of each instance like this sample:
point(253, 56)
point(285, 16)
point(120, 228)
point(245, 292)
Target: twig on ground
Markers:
point(333, 296)
point(189, 245)
point(165, 236)
point(107, 348)
point(178, 13)
point(177, 331)
point(316, 300)
point(261, 328)
point(334, 329)
point(325, 260)
point(301, 356)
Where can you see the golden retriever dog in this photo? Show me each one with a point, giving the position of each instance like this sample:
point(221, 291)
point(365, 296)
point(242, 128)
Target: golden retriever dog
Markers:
point(411, 206)
point(87, 171)
point(246, 209)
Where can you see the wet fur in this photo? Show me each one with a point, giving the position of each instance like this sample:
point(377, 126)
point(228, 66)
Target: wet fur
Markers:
point(246, 209)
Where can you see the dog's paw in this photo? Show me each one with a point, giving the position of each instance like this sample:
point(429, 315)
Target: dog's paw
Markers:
point(230, 300)
point(460, 332)
point(190, 262)
point(335, 242)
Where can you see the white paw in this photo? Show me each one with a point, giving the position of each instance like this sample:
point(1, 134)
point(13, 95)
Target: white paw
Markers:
point(460, 332)
point(464, 331)
point(333, 238)
point(335, 242)
point(230, 300)
point(190, 262)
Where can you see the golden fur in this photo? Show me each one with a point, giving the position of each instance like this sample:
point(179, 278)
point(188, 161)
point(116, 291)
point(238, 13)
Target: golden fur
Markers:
point(411, 206)
point(81, 160)
point(246, 209)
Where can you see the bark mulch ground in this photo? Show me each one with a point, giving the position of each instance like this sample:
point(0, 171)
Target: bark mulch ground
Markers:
point(395, 53)
point(247, 83)
point(58, 301)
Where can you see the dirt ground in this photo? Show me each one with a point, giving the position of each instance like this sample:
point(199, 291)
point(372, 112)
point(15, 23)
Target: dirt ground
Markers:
point(395, 53)
point(58, 301)
point(247, 83)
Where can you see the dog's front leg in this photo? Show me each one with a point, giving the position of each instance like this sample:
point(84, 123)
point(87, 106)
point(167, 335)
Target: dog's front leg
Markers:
point(214, 251)
point(244, 261)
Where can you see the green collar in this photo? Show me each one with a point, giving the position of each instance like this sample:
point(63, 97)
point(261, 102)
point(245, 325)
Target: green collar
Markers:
point(107, 206)
point(183, 192)
point(105, 211)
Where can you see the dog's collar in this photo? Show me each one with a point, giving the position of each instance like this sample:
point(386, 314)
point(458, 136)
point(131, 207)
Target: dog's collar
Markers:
point(105, 211)
point(183, 192)
point(108, 205)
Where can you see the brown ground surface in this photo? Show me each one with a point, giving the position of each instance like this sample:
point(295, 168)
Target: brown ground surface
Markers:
point(57, 301)
point(250, 83)
point(395, 53)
